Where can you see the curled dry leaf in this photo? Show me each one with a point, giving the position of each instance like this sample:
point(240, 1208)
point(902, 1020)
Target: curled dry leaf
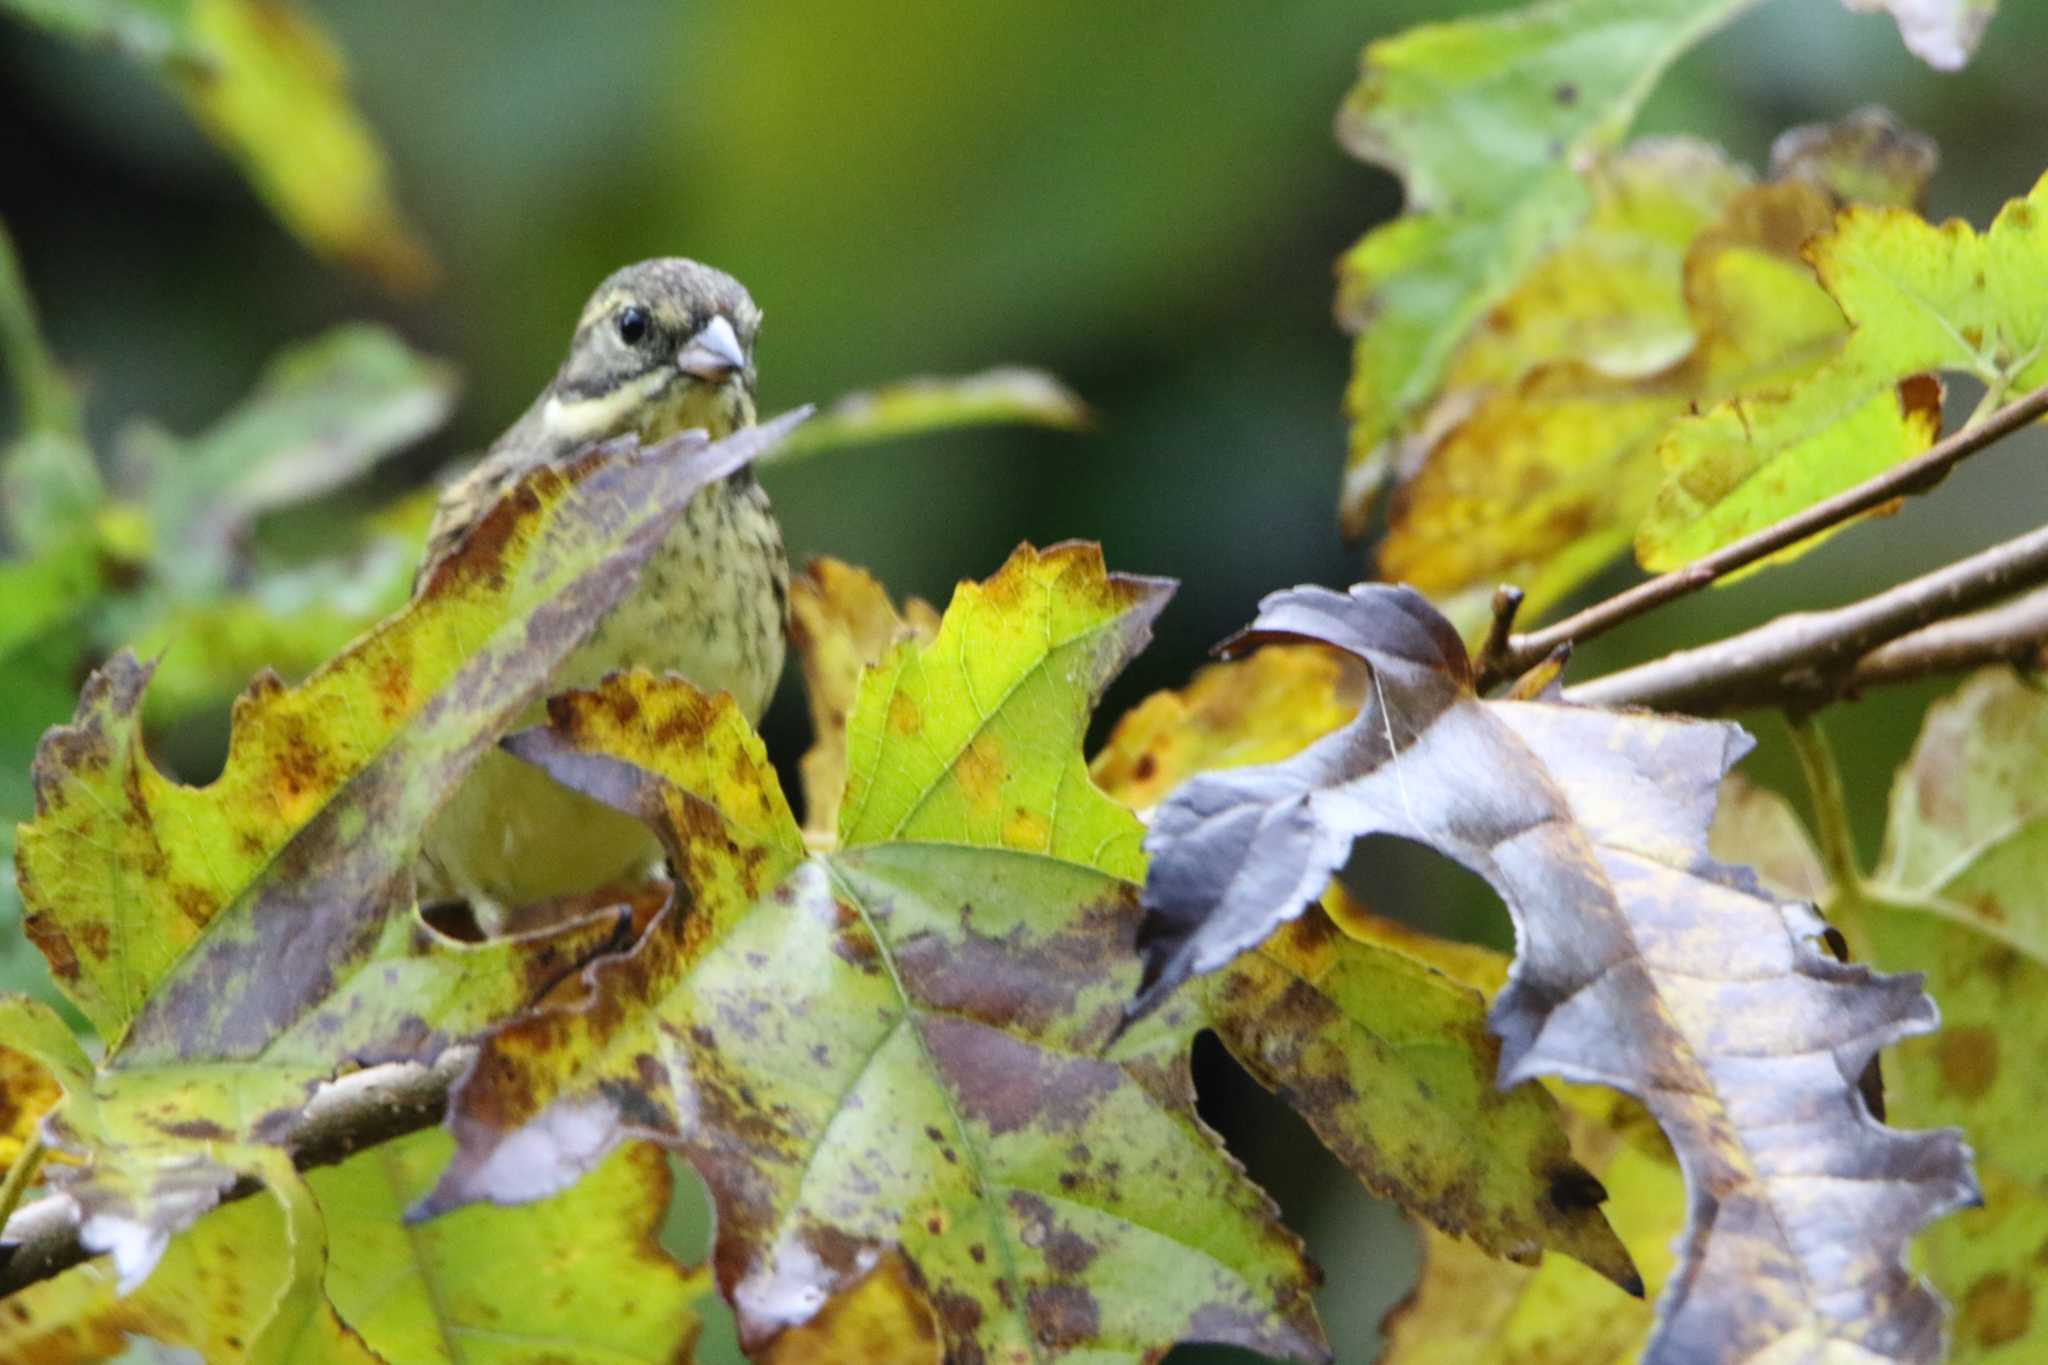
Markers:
point(1643, 965)
point(897, 1045)
point(1385, 1055)
point(1958, 892)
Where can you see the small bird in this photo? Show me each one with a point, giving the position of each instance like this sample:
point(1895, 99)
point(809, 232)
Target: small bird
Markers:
point(662, 346)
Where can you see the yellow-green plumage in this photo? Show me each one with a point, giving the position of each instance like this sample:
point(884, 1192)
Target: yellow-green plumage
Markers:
point(710, 604)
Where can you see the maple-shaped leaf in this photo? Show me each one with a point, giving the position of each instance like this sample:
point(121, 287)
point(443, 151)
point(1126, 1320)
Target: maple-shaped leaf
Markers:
point(1538, 458)
point(1957, 892)
point(897, 1046)
point(235, 944)
point(1919, 298)
point(1643, 964)
point(267, 83)
point(1488, 121)
point(1385, 1056)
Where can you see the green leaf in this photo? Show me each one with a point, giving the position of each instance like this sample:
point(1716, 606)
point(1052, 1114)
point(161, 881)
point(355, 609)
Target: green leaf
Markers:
point(1487, 121)
point(942, 740)
point(912, 407)
point(579, 1277)
point(268, 85)
point(46, 399)
point(899, 1044)
point(1642, 964)
point(1918, 298)
point(322, 414)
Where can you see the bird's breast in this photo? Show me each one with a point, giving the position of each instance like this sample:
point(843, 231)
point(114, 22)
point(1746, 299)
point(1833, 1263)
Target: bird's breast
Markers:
point(711, 603)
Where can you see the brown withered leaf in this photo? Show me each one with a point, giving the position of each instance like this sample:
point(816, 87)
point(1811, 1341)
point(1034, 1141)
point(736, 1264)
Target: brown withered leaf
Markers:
point(1643, 965)
point(1369, 1033)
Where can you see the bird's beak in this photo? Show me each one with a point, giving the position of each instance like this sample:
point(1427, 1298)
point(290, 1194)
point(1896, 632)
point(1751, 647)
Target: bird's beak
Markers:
point(714, 354)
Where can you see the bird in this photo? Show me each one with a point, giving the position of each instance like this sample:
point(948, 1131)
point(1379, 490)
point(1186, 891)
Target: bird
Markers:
point(662, 346)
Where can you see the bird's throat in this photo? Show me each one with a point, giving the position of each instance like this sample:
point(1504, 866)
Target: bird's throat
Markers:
point(652, 406)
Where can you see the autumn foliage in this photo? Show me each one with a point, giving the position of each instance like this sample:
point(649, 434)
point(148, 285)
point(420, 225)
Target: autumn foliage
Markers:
point(923, 1028)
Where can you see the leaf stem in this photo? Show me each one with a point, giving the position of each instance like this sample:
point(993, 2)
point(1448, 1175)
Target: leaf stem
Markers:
point(1830, 801)
point(1916, 475)
point(21, 1175)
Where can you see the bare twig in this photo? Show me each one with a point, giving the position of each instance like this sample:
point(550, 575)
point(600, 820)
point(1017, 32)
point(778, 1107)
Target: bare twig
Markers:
point(1807, 659)
point(361, 1110)
point(1914, 476)
point(2015, 633)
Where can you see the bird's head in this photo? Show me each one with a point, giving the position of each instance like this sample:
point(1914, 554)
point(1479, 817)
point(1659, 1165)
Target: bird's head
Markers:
point(662, 346)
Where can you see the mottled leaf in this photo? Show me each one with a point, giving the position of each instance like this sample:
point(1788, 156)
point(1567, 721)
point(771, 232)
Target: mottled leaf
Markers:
point(1489, 122)
point(1468, 1307)
point(1386, 1056)
point(885, 1319)
point(841, 622)
point(1959, 894)
point(1918, 298)
point(1643, 965)
point(912, 407)
point(235, 944)
point(1039, 640)
point(126, 870)
point(899, 1045)
point(210, 1296)
point(26, 1093)
point(1251, 710)
point(1685, 285)
point(1942, 33)
point(576, 1278)
point(266, 82)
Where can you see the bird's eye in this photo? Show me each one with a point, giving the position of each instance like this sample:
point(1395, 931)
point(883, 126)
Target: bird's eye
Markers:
point(633, 325)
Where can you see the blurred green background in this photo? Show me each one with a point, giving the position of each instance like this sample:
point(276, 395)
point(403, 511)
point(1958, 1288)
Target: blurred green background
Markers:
point(1144, 199)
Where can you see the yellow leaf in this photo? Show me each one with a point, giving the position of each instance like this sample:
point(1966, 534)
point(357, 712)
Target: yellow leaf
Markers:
point(841, 622)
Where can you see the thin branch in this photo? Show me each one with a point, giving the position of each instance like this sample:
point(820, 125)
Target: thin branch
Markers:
point(1916, 475)
point(371, 1106)
point(2015, 633)
point(1807, 659)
